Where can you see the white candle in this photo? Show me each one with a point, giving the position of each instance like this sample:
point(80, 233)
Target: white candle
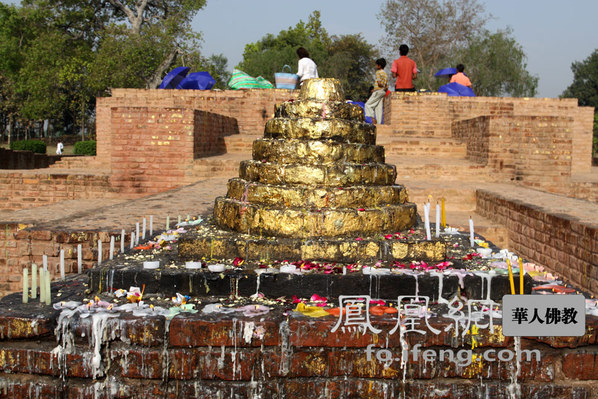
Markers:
point(111, 256)
point(34, 281)
point(144, 228)
point(25, 285)
point(437, 220)
point(179, 219)
point(99, 252)
point(344, 270)
point(48, 289)
point(167, 223)
point(137, 232)
point(42, 285)
point(62, 264)
point(122, 241)
point(79, 259)
point(151, 225)
point(132, 239)
point(45, 263)
point(427, 220)
point(471, 239)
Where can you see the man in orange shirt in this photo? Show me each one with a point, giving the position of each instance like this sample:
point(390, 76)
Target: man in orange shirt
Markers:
point(405, 70)
point(460, 77)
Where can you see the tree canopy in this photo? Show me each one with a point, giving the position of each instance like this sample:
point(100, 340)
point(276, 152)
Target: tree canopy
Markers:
point(585, 81)
point(444, 33)
point(57, 56)
point(349, 58)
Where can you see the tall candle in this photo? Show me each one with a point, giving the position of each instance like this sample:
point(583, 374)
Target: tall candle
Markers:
point(511, 277)
point(79, 259)
point(132, 239)
point(471, 239)
point(122, 241)
point(42, 285)
point(443, 213)
point(521, 275)
point(99, 252)
point(151, 225)
point(179, 219)
point(144, 228)
point(62, 264)
point(34, 281)
point(427, 220)
point(45, 262)
point(111, 256)
point(48, 289)
point(437, 220)
point(137, 233)
point(167, 223)
point(25, 285)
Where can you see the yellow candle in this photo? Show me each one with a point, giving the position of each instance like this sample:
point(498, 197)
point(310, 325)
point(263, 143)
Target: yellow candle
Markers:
point(42, 285)
point(511, 277)
point(442, 213)
point(521, 273)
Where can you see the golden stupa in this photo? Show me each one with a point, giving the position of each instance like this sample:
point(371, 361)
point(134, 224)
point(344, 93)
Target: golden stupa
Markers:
point(317, 188)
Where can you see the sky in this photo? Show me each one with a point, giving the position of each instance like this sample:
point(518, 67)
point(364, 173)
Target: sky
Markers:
point(553, 34)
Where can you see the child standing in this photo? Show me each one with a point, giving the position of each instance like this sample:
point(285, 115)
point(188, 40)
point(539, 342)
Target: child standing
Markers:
point(375, 104)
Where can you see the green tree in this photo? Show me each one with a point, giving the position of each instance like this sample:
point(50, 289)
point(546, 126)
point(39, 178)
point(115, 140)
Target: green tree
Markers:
point(585, 87)
point(433, 29)
point(351, 60)
point(496, 65)
point(348, 58)
point(268, 55)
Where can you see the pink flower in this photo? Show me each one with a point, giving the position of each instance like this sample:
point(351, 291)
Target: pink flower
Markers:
point(317, 298)
point(359, 239)
point(378, 302)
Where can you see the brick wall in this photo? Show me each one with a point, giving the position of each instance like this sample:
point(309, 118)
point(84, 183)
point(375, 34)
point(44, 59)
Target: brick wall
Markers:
point(280, 356)
point(564, 244)
point(536, 149)
point(152, 148)
point(22, 245)
point(430, 114)
point(19, 190)
point(250, 108)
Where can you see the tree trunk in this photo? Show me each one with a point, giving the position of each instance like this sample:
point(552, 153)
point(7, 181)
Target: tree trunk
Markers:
point(156, 77)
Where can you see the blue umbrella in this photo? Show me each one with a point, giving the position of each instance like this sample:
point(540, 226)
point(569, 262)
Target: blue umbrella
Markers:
point(446, 72)
point(455, 89)
point(173, 78)
point(197, 81)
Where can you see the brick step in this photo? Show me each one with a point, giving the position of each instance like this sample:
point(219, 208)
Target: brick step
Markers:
point(434, 168)
point(415, 146)
point(458, 197)
point(420, 131)
point(240, 143)
point(226, 165)
point(80, 162)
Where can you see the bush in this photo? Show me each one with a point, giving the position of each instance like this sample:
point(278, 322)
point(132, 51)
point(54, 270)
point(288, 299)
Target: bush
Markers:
point(85, 148)
point(36, 146)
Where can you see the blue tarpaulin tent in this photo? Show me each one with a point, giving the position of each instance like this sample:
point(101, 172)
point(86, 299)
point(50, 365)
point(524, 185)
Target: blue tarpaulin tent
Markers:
point(455, 89)
point(174, 77)
point(197, 81)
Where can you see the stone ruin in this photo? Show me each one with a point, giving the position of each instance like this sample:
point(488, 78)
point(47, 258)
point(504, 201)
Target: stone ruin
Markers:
point(317, 189)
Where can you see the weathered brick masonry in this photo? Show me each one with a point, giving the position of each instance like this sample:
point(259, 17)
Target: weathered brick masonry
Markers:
point(563, 243)
point(22, 244)
point(195, 356)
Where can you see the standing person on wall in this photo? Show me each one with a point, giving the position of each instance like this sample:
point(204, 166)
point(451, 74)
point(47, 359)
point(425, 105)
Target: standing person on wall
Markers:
point(460, 77)
point(404, 70)
point(375, 104)
point(306, 69)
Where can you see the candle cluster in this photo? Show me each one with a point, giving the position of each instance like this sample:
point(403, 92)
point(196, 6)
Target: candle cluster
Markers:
point(44, 284)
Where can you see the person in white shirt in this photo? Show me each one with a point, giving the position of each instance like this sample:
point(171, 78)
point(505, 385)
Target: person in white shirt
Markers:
point(306, 69)
point(59, 148)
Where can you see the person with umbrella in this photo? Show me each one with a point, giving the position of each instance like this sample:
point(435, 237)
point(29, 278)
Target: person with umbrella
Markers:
point(460, 77)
